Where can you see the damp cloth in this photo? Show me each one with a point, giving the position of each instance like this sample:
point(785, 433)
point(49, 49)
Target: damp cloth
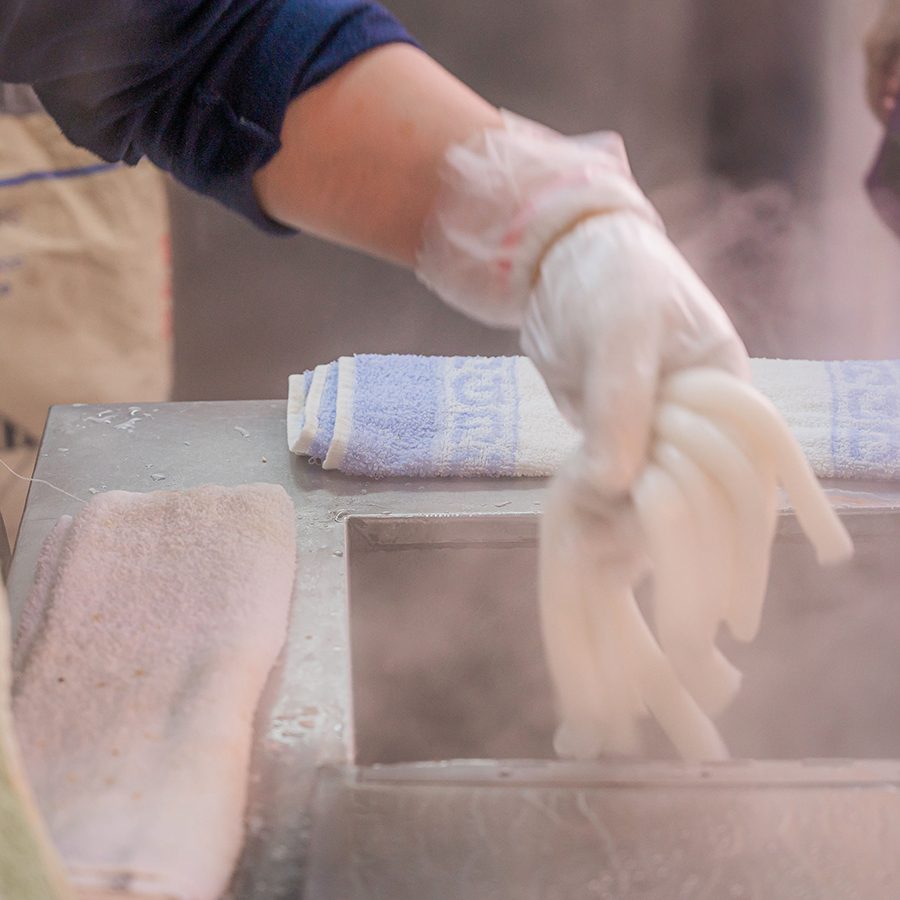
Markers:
point(138, 665)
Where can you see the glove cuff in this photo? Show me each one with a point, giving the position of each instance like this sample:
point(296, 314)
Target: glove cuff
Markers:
point(506, 196)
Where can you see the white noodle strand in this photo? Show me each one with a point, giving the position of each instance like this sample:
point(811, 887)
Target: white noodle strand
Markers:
point(678, 577)
point(715, 393)
point(724, 461)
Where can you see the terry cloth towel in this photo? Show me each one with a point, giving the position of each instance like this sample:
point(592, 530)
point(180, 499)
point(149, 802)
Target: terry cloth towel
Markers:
point(140, 658)
point(420, 416)
point(845, 414)
point(424, 416)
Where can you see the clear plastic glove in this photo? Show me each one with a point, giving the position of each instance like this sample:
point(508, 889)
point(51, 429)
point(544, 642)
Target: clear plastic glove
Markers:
point(553, 235)
point(506, 196)
point(883, 61)
point(677, 469)
point(615, 310)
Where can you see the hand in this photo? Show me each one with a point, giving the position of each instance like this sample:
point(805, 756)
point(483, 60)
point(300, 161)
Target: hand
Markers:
point(883, 61)
point(552, 235)
point(616, 309)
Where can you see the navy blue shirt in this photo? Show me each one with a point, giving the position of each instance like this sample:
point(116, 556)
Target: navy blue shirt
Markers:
point(198, 86)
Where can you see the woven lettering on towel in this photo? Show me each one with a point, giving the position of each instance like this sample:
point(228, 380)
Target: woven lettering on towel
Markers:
point(481, 410)
point(865, 412)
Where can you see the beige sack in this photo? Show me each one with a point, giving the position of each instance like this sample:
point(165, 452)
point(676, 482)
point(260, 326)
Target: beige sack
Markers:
point(85, 312)
point(84, 276)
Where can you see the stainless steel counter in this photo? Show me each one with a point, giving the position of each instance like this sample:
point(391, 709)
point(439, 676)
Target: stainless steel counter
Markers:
point(305, 722)
point(305, 718)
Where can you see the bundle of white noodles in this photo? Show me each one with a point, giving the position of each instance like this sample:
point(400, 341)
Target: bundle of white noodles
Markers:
point(703, 514)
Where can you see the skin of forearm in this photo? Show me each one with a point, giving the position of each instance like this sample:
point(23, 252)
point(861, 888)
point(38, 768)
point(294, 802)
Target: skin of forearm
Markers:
point(361, 152)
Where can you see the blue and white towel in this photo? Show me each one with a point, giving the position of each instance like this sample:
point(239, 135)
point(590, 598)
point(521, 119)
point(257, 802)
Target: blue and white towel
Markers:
point(844, 413)
point(423, 416)
point(427, 416)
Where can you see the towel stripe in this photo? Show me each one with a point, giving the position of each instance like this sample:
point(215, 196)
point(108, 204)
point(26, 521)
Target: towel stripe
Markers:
point(480, 416)
point(400, 417)
point(865, 415)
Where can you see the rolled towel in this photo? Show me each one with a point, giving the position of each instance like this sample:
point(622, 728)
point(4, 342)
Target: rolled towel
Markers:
point(427, 416)
point(845, 414)
point(141, 655)
point(421, 416)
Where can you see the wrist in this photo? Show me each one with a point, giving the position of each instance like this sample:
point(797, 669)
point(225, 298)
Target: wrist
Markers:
point(506, 197)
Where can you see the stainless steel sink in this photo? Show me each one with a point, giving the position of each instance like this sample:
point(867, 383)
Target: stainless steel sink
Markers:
point(447, 660)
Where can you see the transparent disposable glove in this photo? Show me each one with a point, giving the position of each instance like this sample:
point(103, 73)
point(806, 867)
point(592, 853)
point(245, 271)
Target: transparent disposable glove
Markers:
point(883, 61)
point(552, 235)
point(615, 310)
point(506, 196)
point(677, 470)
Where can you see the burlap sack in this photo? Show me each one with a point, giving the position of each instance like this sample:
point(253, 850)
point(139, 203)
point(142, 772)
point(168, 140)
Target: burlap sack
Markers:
point(84, 276)
point(84, 282)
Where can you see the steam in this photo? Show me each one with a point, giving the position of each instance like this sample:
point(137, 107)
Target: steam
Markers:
point(448, 661)
point(802, 277)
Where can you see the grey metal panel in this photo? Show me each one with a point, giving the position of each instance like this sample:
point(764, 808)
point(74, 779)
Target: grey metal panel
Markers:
point(481, 831)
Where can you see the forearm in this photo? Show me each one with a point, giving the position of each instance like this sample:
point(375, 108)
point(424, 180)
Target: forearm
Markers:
point(360, 153)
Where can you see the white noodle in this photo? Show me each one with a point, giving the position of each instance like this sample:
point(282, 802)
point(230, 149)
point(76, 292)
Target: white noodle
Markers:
point(707, 506)
point(691, 732)
point(678, 578)
point(566, 630)
point(613, 651)
point(715, 393)
point(714, 520)
point(724, 461)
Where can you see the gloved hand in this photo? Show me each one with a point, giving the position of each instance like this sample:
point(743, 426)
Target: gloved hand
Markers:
point(615, 309)
point(883, 61)
point(678, 464)
point(552, 235)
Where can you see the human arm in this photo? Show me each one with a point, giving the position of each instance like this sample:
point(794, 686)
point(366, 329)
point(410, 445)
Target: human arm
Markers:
point(395, 156)
point(361, 153)
point(198, 86)
point(374, 145)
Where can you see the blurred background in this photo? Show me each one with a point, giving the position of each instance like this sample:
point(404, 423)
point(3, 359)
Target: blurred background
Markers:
point(745, 122)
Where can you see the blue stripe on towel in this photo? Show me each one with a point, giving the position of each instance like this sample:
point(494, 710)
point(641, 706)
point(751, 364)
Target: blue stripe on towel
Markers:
point(864, 415)
point(397, 410)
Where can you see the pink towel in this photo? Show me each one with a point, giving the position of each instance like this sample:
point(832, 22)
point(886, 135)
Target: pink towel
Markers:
point(142, 652)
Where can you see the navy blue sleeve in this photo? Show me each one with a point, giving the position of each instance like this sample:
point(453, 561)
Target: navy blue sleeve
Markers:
point(200, 87)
